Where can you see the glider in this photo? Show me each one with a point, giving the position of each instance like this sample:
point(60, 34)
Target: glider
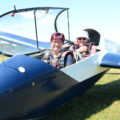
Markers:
point(31, 88)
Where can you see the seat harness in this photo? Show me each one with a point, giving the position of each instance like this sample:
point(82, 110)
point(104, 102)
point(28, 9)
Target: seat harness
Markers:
point(59, 61)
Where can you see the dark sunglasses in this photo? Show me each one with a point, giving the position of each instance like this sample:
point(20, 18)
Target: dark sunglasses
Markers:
point(82, 38)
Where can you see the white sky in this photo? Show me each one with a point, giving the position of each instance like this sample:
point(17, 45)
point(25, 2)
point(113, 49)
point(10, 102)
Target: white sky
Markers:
point(102, 15)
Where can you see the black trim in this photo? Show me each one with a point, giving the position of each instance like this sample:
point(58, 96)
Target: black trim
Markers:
point(36, 30)
point(29, 9)
point(55, 23)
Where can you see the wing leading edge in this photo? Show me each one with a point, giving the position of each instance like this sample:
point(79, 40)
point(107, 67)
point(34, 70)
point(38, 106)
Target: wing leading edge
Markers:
point(111, 60)
point(13, 44)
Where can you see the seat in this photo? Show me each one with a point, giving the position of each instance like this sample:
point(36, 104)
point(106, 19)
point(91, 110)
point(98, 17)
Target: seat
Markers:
point(94, 36)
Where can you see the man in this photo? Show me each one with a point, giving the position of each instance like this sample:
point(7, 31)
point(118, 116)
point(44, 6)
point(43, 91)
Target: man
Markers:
point(81, 44)
point(56, 56)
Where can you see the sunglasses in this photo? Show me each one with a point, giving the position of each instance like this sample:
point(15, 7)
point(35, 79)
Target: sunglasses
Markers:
point(82, 38)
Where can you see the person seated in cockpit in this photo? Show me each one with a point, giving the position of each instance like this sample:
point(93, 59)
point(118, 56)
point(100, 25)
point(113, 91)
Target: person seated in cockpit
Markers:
point(56, 56)
point(83, 44)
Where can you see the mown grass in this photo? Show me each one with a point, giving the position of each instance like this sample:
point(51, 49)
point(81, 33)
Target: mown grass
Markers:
point(101, 102)
point(3, 58)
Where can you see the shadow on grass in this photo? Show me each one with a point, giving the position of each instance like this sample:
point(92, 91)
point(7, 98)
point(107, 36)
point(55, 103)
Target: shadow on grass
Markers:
point(96, 99)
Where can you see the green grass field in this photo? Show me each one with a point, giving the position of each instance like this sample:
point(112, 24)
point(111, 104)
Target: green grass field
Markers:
point(101, 102)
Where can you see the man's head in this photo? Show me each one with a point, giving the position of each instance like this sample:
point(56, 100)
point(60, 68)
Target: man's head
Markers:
point(83, 34)
point(82, 38)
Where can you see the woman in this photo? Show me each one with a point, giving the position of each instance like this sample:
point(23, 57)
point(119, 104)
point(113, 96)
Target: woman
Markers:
point(56, 56)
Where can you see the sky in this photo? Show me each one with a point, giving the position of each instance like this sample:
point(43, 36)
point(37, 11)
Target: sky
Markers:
point(101, 15)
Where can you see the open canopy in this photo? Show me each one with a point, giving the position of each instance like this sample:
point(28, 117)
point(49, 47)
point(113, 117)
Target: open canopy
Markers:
point(26, 31)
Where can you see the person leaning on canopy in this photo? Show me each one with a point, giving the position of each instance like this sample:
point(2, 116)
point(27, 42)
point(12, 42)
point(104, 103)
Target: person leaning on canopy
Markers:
point(83, 44)
point(56, 56)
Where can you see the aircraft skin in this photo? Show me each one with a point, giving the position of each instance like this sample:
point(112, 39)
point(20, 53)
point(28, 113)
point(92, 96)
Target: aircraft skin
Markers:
point(31, 88)
point(38, 89)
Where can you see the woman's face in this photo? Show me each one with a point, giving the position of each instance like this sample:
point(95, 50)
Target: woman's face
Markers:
point(82, 41)
point(56, 45)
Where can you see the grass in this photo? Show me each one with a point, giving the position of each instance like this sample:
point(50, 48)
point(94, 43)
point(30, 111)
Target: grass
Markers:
point(3, 58)
point(101, 102)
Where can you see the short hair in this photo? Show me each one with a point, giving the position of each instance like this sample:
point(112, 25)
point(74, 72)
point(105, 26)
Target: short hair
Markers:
point(58, 36)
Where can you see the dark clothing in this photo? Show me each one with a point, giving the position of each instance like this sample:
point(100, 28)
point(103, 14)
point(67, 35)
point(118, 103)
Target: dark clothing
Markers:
point(89, 47)
point(74, 47)
point(64, 59)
